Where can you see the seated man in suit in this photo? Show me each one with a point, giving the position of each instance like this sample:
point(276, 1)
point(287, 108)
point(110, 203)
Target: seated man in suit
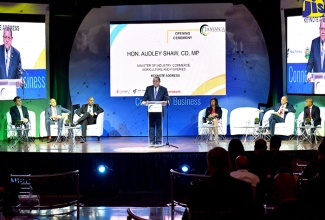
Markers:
point(313, 112)
point(88, 114)
point(280, 112)
point(54, 114)
point(19, 113)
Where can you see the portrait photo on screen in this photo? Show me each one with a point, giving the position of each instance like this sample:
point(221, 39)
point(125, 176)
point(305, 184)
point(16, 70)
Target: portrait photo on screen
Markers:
point(189, 57)
point(23, 60)
point(301, 32)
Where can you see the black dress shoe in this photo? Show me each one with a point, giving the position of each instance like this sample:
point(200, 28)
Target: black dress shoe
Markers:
point(49, 140)
point(72, 125)
point(158, 142)
point(152, 143)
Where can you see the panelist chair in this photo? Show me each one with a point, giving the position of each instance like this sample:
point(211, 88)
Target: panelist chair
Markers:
point(285, 128)
point(32, 125)
point(222, 127)
point(54, 128)
point(94, 129)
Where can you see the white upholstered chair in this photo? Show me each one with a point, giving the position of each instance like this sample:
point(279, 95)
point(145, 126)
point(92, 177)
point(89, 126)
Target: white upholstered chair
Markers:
point(54, 128)
point(320, 131)
point(222, 126)
point(242, 117)
point(94, 129)
point(32, 123)
point(287, 128)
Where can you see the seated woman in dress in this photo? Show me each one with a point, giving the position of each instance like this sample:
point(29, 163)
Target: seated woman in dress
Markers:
point(213, 113)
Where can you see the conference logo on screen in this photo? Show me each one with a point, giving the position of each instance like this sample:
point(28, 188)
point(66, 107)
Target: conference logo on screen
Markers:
point(312, 8)
point(206, 29)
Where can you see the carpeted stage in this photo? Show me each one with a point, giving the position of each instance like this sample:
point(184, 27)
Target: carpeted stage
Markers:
point(133, 165)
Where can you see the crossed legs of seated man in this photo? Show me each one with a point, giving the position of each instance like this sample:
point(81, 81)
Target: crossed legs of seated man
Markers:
point(84, 120)
point(48, 123)
point(272, 121)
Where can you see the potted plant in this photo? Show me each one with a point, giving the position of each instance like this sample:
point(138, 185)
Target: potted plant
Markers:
point(18, 124)
point(209, 120)
point(67, 122)
point(256, 121)
point(307, 121)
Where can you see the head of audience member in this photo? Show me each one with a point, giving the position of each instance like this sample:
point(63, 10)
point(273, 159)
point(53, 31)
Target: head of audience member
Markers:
point(242, 163)
point(91, 101)
point(275, 142)
point(280, 159)
point(53, 102)
point(218, 161)
point(214, 102)
point(156, 81)
point(284, 187)
point(260, 145)
point(284, 100)
point(7, 37)
point(309, 102)
point(235, 149)
point(17, 101)
point(322, 29)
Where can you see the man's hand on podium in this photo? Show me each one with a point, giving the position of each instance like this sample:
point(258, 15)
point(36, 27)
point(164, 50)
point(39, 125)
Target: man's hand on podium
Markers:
point(308, 77)
point(143, 103)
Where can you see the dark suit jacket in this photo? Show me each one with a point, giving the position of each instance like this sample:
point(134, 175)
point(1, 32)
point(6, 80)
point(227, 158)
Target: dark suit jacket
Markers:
point(15, 115)
point(315, 114)
point(84, 108)
point(209, 110)
point(14, 65)
point(59, 111)
point(314, 61)
point(277, 106)
point(162, 94)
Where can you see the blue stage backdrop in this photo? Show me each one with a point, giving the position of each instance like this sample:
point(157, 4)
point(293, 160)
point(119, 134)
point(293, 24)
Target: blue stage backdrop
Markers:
point(247, 67)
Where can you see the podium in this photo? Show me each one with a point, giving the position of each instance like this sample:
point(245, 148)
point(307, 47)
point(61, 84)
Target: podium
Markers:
point(318, 78)
point(155, 108)
point(8, 88)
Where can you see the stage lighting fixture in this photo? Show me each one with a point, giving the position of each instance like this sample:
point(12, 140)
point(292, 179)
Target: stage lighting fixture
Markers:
point(185, 168)
point(102, 169)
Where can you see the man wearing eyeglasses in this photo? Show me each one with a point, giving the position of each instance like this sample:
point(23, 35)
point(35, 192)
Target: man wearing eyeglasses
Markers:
point(317, 53)
point(10, 62)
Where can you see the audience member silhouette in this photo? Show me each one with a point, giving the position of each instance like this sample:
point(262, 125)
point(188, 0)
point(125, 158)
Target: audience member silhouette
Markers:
point(288, 203)
point(275, 143)
point(235, 149)
point(225, 196)
point(314, 190)
point(242, 173)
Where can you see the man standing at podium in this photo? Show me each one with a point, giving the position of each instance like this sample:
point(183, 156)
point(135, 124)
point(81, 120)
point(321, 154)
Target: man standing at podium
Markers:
point(156, 92)
point(10, 65)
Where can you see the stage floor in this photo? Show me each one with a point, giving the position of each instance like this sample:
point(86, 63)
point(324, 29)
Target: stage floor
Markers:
point(140, 145)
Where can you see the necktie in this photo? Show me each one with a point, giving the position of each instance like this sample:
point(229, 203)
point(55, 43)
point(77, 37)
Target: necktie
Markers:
point(54, 112)
point(309, 112)
point(155, 92)
point(7, 62)
point(281, 110)
point(322, 55)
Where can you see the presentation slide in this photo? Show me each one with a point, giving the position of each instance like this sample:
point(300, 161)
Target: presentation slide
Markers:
point(29, 39)
point(189, 57)
point(300, 33)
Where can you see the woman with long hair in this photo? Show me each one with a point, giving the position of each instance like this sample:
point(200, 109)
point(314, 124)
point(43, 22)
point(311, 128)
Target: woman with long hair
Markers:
point(213, 113)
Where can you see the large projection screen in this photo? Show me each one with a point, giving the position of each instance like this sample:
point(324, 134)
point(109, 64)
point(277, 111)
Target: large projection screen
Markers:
point(189, 57)
point(300, 33)
point(29, 38)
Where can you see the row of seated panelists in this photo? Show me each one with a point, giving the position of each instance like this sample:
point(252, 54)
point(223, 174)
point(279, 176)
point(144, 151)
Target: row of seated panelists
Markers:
point(97, 129)
point(32, 123)
point(224, 122)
